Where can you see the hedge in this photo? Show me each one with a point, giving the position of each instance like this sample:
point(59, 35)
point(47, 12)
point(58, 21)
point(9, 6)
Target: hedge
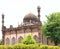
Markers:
point(30, 46)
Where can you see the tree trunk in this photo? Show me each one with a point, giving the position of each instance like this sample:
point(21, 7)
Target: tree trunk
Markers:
point(55, 42)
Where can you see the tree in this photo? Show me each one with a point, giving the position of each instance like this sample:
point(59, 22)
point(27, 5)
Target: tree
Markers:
point(28, 40)
point(51, 29)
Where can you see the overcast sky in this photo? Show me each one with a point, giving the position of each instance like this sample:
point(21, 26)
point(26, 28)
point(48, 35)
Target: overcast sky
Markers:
point(15, 10)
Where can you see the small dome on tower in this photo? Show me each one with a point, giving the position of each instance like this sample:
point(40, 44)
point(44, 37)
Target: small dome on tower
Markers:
point(2, 15)
point(38, 7)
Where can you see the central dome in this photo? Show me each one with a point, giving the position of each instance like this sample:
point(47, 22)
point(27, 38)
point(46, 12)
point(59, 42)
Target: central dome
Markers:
point(29, 17)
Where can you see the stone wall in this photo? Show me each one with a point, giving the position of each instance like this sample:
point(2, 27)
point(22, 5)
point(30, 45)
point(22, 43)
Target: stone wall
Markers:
point(20, 35)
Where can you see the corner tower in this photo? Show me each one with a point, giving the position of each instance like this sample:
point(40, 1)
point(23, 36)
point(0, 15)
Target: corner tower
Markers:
point(3, 29)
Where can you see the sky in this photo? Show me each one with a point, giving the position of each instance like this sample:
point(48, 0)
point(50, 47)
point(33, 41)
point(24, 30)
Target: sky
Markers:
point(15, 10)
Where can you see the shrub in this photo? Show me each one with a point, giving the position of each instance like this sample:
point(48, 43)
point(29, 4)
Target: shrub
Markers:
point(29, 46)
point(53, 47)
point(19, 46)
point(44, 47)
point(29, 40)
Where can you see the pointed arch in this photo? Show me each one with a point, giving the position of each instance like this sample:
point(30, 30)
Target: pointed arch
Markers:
point(13, 40)
point(20, 39)
point(36, 38)
point(7, 41)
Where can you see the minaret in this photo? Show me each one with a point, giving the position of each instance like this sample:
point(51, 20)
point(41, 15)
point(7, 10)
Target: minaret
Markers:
point(2, 20)
point(38, 10)
point(3, 29)
point(39, 26)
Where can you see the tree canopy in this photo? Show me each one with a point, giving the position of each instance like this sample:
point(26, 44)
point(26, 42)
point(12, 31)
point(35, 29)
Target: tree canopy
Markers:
point(51, 29)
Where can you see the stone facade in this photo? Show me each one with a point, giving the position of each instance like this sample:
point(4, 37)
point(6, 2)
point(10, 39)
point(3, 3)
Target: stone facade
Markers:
point(31, 25)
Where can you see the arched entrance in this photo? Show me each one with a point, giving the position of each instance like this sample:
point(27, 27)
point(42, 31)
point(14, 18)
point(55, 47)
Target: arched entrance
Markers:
point(20, 39)
point(7, 41)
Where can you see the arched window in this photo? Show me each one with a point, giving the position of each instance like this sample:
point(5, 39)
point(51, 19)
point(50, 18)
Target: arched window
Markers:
point(20, 39)
point(7, 41)
point(13, 41)
point(36, 38)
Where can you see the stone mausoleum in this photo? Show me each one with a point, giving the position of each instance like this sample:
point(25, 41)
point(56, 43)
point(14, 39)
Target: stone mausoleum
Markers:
point(31, 25)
